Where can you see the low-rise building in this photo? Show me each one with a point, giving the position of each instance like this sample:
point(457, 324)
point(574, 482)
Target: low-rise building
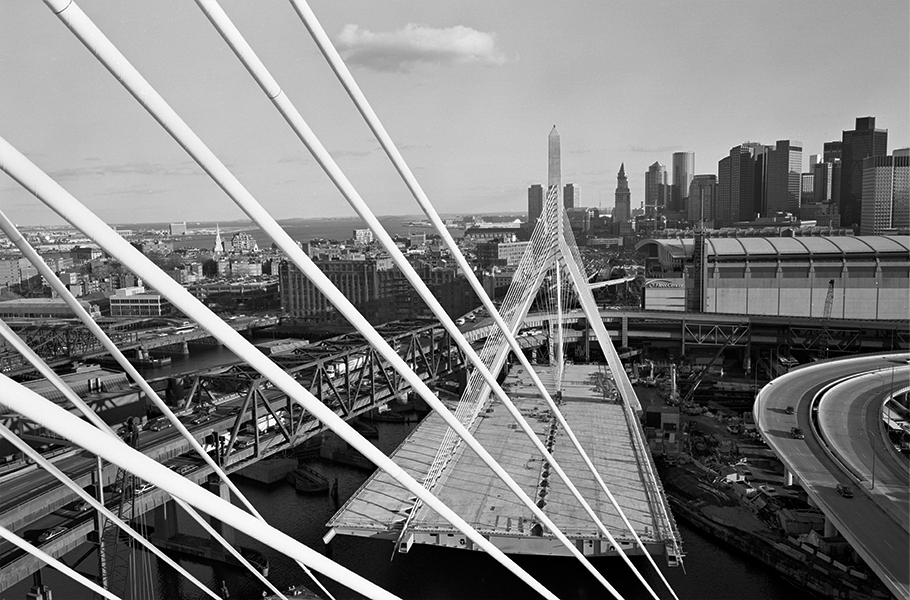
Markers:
point(42, 308)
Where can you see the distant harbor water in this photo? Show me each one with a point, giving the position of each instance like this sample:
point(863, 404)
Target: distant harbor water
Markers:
point(300, 230)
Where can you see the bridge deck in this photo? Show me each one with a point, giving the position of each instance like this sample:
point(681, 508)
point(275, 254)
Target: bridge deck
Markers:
point(475, 493)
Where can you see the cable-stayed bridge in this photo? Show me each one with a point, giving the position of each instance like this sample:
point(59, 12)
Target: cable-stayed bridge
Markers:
point(552, 264)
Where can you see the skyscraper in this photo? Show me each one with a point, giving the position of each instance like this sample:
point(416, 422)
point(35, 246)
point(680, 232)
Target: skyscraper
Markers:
point(701, 199)
point(622, 207)
point(656, 191)
point(738, 184)
point(780, 185)
point(807, 188)
point(858, 144)
point(553, 161)
point(571, 196)
point(683, 167)
point(535, 203)
point(886, 193)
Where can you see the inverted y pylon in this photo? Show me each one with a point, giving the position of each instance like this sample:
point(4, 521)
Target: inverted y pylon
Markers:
point(553, 255)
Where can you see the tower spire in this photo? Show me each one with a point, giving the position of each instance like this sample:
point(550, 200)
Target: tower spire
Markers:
point(219, 243)
point(553, 161)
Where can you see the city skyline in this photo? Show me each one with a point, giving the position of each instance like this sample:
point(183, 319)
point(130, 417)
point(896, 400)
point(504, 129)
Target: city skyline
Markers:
point(467, 92)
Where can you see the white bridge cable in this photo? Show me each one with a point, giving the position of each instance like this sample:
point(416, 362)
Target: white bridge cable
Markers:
point(95, 504)
point(88, 33)
point(347, 80)
point(273, 91)
point(152, 102)
point(41, 410)
point(53, 562)
point(65, 205)
point(14, 340)
point(521, 295)
point(631, 405)
point(48, 274)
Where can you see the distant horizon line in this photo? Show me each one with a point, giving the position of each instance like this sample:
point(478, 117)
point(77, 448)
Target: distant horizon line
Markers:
point(345, 218)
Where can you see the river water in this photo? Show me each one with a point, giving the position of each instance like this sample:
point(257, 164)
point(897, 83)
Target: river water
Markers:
point(712, 570)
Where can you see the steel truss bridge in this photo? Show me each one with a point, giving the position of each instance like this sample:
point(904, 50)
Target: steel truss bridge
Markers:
point(684, 330)
point(274, 386)
point(233, 398)
point(61, 341)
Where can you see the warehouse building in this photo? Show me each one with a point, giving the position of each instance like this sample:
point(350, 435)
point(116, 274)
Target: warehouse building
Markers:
point(868, 276)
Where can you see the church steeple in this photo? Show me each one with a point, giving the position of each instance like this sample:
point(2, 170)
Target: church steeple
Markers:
point(219, 243)
point(622, 170)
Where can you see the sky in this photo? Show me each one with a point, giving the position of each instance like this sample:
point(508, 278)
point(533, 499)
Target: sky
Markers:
point(468, 90)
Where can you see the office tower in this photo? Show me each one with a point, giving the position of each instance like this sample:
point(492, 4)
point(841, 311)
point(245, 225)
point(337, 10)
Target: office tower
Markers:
point(780, 184)
point(807, 189)
point(571, 196)
point(886, 193)
point(825, 182)
point(535, 203)
point(553, 160)
point(858, 144)
point(739, 177)
point(656, 190)
point(723, 203)
point(683, 167)
point(622, 207)
point(701, 199)
point(833, 151)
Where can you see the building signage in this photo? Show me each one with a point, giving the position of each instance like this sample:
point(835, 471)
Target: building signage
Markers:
point(664, 284)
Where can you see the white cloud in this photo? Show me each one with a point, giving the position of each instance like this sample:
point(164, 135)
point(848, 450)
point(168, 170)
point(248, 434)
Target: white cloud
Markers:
point(415, 44)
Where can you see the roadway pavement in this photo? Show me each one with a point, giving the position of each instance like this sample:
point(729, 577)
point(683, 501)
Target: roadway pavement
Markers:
point(875, 521)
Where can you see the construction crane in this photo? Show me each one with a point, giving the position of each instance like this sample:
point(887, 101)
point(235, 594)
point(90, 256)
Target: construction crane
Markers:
point(826, 316)
point(703, 372)
point(117, 564)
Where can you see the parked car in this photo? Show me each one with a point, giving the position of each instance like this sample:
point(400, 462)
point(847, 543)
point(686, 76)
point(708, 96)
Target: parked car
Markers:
point(844, 490)
point(796, 433)
point(51, 533)
point(789, 410)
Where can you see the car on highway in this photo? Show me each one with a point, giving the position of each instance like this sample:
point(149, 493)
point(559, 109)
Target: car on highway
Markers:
point(51, 533)
point(459, 321)
point(844, 490)
point(143, 488)
point(158, 424)
point(796, 433)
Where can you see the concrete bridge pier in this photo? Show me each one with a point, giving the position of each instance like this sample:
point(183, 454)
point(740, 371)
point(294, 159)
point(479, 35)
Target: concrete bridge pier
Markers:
point(39, 591)
point(165, 519)
point(830, 529)
point(216, 486)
